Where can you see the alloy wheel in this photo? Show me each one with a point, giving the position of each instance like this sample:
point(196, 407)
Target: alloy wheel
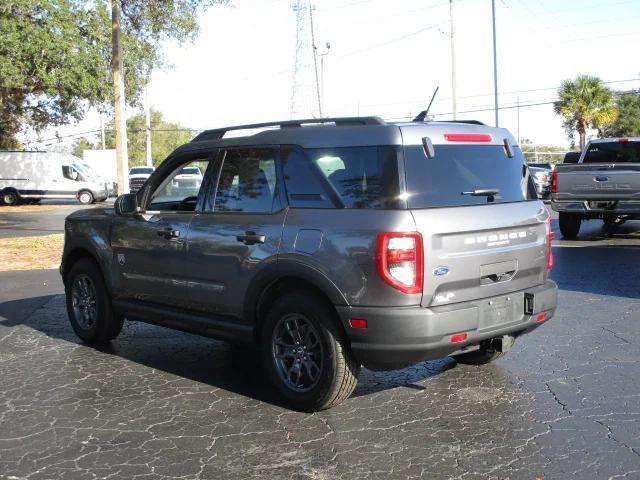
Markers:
point(84, 301)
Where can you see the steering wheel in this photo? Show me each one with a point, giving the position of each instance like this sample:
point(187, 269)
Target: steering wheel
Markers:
point(183, 205)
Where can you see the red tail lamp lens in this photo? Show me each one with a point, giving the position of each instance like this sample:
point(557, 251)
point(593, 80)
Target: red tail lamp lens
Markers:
point(554, 182)
point(399, 260)
point(541, 317)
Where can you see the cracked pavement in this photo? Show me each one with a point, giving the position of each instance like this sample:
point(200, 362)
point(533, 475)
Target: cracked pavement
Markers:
point(159, 404)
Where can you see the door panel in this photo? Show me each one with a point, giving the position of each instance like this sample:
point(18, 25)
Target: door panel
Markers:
point(149, 253)
point(238, 234)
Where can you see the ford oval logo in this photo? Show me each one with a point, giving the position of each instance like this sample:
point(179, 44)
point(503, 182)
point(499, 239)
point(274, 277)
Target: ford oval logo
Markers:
point(440, 271)
point(601, 178)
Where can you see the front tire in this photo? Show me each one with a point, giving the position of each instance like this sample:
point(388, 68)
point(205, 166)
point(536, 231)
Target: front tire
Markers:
point(306, 354)
point(89, 304)
point(569, 225)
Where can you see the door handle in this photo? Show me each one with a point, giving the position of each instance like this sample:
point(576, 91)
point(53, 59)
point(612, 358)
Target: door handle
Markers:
point(169, 233)
point(251, 238)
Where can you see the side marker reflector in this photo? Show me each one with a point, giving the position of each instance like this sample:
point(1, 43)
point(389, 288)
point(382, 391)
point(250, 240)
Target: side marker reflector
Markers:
point(358, 323)
point(541, 317)
point(460, 337)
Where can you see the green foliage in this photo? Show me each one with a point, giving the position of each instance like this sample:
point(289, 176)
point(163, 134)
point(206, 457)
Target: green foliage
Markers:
point(628, 122)
point(165, 138)
point(585, 103)
point(55, 55)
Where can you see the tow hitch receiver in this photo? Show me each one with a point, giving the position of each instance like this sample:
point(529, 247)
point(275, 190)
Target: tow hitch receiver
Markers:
point(503, 344)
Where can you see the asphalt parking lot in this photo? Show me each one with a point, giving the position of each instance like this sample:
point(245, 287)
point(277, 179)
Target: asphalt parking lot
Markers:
point(564, 403)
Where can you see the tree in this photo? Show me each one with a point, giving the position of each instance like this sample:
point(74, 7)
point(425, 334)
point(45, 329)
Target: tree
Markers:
point(628, 122)
point(80, 146)
point(55, 55)
point(585, 103)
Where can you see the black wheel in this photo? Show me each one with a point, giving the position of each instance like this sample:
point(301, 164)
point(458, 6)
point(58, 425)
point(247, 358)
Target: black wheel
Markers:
point(85, 197)
point(306, 354)
point(613, 221)
point(10, 197)
point(485, 354)
point(569, 225)
point(89, 304)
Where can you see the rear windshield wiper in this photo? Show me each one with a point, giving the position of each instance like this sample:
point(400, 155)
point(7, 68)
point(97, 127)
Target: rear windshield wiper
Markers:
point(484, 192)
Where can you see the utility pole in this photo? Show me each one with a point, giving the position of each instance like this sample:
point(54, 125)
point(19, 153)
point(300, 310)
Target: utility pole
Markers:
point(518, 109)
point(322, 55)
point(315, 58)
point(454, 98)
point(147, 121)
point(495, 60)
point(120, 122)
point(101, 128)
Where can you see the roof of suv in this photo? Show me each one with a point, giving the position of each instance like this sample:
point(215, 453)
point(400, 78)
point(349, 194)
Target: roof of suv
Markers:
point(354, 131)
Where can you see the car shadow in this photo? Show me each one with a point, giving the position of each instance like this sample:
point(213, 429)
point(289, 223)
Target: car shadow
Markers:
point(221, 365)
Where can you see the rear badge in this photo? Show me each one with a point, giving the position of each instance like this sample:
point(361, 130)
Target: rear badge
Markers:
point(440, 271)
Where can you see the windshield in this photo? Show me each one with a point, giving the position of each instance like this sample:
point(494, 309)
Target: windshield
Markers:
point(466, 175)
point(141, 170)
point(613, 152)
point(84, 169)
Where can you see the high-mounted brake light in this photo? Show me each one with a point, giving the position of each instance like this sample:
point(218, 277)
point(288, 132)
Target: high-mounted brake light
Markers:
point(399, 260)
point(554, 181)
point(467, 137)
point(550, 237)
point(623, 140)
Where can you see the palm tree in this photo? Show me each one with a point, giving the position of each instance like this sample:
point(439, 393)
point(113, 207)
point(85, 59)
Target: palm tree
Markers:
point(585, 103)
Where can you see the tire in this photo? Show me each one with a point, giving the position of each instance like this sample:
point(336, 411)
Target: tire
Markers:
point(486, 354)
point(86, 292)
point(569, 225)
point(10, 197)
point(323, 350)
point(85, 197)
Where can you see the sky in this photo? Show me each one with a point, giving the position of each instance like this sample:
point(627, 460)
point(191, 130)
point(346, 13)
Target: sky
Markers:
point(387, 57)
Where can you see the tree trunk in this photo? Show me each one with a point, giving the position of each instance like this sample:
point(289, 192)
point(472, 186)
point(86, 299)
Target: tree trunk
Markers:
point(581, 129)
point(119, 100)
point(583, 140)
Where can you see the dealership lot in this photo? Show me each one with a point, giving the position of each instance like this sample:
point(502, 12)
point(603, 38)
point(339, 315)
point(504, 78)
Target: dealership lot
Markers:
point(565, 403)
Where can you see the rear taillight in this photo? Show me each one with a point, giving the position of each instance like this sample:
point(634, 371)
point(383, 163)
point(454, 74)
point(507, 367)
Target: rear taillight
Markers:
point(399, 260)
point(550, 237)
point(554, 181)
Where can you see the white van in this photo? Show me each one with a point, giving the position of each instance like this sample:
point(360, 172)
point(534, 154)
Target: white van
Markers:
point(31, 176)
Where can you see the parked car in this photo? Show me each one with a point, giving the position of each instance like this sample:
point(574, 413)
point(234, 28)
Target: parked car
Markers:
point(137, 177)
point(571, 157)
point(603, 185)
point(542, 181)
point(329, 244)
point(28, 177)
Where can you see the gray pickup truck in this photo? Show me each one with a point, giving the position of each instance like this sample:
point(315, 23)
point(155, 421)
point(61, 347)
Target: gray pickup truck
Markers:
point(603, 185)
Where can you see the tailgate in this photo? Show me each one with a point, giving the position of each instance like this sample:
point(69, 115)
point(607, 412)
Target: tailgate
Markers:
point(598, 182)
point(482, 251)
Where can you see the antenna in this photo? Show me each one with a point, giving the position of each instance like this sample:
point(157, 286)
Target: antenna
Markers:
point(423, 114)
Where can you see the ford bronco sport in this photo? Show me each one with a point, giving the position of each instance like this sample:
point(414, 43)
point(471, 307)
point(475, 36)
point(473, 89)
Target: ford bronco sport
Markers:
point(329, 244)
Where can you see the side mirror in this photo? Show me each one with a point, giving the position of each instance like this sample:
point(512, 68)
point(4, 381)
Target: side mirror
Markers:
point(126, 204)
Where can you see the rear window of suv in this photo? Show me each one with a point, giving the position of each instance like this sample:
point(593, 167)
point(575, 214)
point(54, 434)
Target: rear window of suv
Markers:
point(447, 179)
point(342, 177)
point(613, 152)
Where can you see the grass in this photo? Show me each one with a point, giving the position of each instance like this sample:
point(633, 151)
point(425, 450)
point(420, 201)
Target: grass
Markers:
point(31, 253)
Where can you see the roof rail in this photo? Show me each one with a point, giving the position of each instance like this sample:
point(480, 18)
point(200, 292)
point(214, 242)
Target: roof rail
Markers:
point(218, 133)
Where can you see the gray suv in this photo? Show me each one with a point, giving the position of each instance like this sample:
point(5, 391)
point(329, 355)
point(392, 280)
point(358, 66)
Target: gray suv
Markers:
point(329, 244)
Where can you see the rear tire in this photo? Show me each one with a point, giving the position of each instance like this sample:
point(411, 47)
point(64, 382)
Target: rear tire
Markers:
point(613, 221)
point(10, 197)
point(569, 225)
point(89, 304)
point(85, 197)
point(308, 358)
point(486, 354)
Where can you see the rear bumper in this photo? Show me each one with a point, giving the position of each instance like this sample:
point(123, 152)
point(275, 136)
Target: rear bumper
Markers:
point(397, 337)
point(597, 208)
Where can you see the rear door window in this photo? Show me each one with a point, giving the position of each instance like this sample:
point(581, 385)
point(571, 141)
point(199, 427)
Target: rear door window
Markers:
point(456, 172)
point(613, 152)
point(344, 177)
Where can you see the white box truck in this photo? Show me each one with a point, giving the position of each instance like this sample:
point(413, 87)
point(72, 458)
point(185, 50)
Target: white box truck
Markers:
point(28, 177)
